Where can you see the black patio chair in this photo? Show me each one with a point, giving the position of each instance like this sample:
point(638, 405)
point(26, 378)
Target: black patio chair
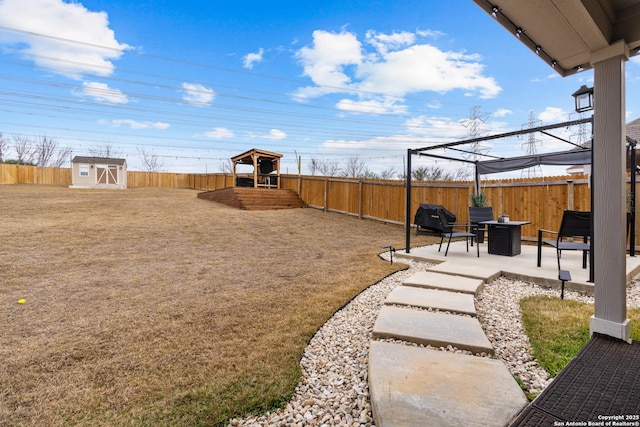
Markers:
point(476, 216)
point(450, 233)
point(574, 225)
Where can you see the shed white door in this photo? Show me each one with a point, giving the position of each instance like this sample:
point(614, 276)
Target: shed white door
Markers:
point(107, 174)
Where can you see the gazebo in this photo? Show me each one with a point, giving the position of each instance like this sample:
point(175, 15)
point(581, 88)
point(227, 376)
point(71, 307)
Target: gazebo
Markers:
point(264, 163)
point(259, 188)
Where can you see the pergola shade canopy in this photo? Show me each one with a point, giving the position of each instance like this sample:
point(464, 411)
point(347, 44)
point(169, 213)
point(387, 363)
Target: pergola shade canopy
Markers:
point(573, 157)
point(577, 156)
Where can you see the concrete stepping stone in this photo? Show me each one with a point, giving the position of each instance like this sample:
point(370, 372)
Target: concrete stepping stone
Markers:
point(413, 386)
point(432, 298)
point(436, 329)
point(486, 273)
point(447, 282)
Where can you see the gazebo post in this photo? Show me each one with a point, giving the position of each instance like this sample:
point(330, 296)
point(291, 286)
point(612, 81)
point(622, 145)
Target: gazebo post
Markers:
point(235, 180)
point(254, 159)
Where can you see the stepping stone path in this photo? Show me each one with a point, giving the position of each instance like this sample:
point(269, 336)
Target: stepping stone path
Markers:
point(414, 385)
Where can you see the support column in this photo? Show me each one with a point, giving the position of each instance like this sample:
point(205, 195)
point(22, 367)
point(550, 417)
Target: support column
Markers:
point(609, 167)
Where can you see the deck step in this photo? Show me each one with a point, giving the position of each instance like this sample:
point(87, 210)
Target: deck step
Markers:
point(255, 198)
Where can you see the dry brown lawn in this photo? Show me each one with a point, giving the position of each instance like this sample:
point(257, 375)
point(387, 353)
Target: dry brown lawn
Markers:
point(153, 307)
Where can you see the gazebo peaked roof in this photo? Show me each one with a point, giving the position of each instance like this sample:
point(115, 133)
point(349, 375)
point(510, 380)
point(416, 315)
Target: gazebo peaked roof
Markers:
point(247, 158)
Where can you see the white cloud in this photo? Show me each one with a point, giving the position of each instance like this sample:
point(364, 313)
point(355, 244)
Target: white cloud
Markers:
point(275, 134)
point(338, 63)
point(135, 125)
point(219, 133)
point(251, 58)
point(43, 28)
point(325, 62)
point(502, 112)
point(553, 115)
point(386, 42)
point(198, 95)
point(426, 68)
point(430, 33)
point(372, 106)
point(441, 127)
point(101, 92)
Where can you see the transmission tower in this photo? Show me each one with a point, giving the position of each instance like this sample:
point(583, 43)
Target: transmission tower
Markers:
point(582, 137)
point(530, 147)
point(475, 130)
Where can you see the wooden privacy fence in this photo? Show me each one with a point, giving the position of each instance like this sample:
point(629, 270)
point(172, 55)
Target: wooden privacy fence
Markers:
point(158, 179)
point(538, 200)
point(22, 174)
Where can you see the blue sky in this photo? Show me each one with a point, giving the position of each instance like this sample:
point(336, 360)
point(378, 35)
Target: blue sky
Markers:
point(196, 83)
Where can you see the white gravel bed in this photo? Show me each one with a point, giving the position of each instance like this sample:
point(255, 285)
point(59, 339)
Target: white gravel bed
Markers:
point(334, 391)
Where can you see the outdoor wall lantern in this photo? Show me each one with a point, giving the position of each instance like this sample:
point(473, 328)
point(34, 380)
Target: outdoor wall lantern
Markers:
point(584, 99)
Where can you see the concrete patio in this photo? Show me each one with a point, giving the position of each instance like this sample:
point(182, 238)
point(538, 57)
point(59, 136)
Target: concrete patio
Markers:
point(412, 386)
point(488, 267)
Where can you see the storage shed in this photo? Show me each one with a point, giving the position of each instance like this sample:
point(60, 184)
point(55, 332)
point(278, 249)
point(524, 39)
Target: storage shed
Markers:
point(98, 172)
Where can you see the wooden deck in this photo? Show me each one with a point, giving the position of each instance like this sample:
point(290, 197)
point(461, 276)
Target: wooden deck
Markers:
point(255, 198)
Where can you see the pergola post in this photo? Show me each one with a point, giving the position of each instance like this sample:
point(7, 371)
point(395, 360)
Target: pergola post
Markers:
point(407, 213)
point(609, 169)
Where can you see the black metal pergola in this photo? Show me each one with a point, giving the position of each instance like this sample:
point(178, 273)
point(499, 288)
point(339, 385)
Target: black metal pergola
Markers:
point(579, 155)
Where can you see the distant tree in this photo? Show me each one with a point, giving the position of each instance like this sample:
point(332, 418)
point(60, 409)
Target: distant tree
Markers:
point(388, 173)
point(226, 166)
point(355, 168)
point(47, 152)
point(4, 146)
point(419, 173)
point(329, 167)
point(431, 173)
point(314, 165)
point(106, 150)
point(23, 146)
point(63, 156)
point(461, 174)
point(369, 174)
point(150, 161)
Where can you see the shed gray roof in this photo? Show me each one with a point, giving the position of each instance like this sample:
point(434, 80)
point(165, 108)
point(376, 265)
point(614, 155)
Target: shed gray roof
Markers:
point(105, 160)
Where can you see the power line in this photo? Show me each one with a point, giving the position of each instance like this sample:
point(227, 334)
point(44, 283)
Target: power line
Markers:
point(258, 107)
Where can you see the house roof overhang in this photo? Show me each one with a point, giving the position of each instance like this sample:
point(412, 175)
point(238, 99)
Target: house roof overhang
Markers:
point(566, 34)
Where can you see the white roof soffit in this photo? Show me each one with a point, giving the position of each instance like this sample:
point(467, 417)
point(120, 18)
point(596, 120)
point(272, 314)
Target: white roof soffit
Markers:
point(565, 33)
